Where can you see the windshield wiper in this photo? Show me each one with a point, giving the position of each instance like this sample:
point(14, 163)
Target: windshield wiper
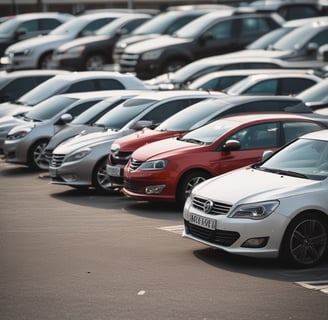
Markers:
point(192, 140)
point(285, 172)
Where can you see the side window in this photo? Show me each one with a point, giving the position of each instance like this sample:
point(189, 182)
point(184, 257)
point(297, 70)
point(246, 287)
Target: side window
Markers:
point(48, 24)
point(75, 111)
point(84, 85)
point(164, 111)
point(258, 65)
point(293, 130)
point(264, 87)
point(221, 31)
point(131, 25)
point(109, 84)
point(292, 86)
point(30, 26)
point(95, 25)
point(321, 38)
point(253, 26)
point(179, 23)
point(258, 136)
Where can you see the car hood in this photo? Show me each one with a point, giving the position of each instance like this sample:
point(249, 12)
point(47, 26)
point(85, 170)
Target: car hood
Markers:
point(9, 109)
point(163, 148)
point(251, 185)
point(258, 53)
point(140, 138)
point(83, 41)
point(159, 42)
point(134, 39)
point(85, 140)
point(48, 41)
point(9, 122)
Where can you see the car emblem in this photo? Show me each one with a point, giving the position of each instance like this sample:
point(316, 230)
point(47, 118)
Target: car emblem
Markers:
point(208, 206)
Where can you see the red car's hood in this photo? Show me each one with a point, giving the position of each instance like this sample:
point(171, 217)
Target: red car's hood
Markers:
point(140, 138)
point(166, 146)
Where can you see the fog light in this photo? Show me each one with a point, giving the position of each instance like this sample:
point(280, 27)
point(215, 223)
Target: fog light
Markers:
point(69, 177)
point(255, 242)
point(154, 189)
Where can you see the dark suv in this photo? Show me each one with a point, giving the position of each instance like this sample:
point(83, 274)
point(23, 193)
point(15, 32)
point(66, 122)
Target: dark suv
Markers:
point(218, 32)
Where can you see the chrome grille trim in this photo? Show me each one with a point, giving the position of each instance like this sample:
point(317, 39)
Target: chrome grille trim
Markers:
point(218, 208)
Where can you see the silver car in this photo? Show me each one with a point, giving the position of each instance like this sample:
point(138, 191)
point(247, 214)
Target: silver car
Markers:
point(81, 161)
point(28, 134)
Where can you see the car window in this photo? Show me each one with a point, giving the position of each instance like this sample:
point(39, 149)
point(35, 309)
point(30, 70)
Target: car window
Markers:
point(320, 38)
point(177, 24)
point(31, 25)
point(48, 24)
point(165, 110)
point(109, 84)
point(264, 87)
point(81, 86)
point(82, 107)
point(94, 25)
point(131, 25)
point(292, 86)
point(221, 30)
point(252, 26)
point(263, 135)
point(293, 130)
point(297, 11)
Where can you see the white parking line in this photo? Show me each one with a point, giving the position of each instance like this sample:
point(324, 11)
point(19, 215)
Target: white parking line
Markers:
point(175, 229)
point(321, 285)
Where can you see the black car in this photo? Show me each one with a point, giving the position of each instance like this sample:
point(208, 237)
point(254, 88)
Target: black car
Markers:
point(215, 33)
point(93, 52)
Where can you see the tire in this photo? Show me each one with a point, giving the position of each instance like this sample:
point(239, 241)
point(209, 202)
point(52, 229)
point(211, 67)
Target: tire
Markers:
point(95, 62)
point(187, 183)
point(100, 180)
point(173, 65)
point(45, 61)
point(305, 242)
point(36, 157)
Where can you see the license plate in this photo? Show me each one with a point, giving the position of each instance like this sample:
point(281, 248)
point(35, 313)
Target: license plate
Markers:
point(53, 172)
point(113, 171)
point(203, 221)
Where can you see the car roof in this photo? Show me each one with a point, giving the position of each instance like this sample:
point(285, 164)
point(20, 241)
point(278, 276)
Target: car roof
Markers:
point(33, 15)
point(318, 135)
point(265, 76)
point(300, 22)
point(31, 72)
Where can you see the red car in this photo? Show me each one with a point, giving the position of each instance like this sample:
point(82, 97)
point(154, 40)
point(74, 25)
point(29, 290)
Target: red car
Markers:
point(167, 170)
point(194, 117)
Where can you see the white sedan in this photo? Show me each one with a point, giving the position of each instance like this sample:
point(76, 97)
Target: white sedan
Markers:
point(275, 209)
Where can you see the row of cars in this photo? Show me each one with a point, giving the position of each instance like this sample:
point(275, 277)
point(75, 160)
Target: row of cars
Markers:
point(161, 145)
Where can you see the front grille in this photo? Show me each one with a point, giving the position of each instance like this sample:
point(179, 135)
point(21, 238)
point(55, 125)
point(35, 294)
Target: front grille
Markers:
point(120, 158)
point(132, 186)
point(57, 160)
point(135, 164)
point(217, 208)
point(48, 155)
point(219, 237)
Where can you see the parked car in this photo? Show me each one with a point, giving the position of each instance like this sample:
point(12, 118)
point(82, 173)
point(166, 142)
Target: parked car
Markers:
point(29, 25)
point(87, 120)
point(24, 138)
point(14, 84)
point(274, 84)
point(94, 52)
point(316, 97)
point(187, 120)
point(218, 32)
point(166, 170)
point(36, 53)
point(81, 161)
point(276, 208)
point(222, 80)
point(70, 83)
point(164, 23)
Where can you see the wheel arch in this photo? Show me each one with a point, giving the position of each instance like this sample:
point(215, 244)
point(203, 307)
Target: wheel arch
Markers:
point(42, 55)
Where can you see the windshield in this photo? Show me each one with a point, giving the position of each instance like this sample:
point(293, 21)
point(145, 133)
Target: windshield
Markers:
point(8, 27)
point(305, 158)
point(294, 39)
point(315, 93)
point(208, 133)
point(123, 113)
point(191, 117)
point(49, 108)
point(110, 28)
point(239, 86)
point(71, 27)
point(156, 25)
point(42, 91)
point(268, 39)
point(96, 111)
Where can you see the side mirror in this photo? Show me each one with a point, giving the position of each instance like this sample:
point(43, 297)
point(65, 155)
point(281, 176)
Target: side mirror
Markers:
point(267, 154)
point(143, 124)
point(231, 145)
point(312, 49)
point(65, 118)
point(323, 53)
point(20, 32)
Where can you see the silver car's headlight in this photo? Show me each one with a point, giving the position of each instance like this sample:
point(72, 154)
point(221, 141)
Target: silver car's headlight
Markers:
point(152, 55)
point(256, 211)
point(153, 165)
point(75, 50)
point(78, 155)
point(18, 134)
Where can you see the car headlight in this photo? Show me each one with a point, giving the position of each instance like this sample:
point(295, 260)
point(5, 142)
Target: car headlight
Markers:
point(256, 211)
point(17, 134)
point(153, 165)
point(75, 50)
point(78, 155)
point(152, 55)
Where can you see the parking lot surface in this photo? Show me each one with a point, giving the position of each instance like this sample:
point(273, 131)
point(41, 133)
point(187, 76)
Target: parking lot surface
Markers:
point(67, 254)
